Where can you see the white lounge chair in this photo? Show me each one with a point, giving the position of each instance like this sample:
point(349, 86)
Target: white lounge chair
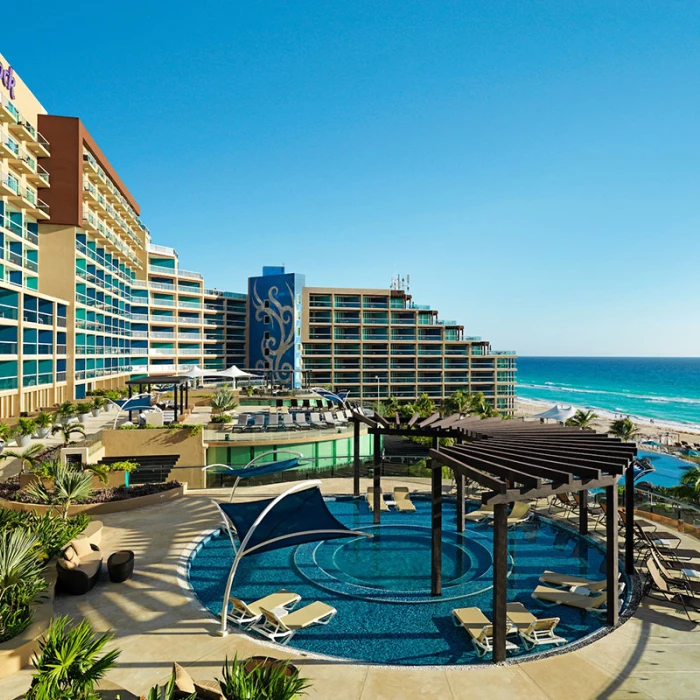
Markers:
point(245, 614)
point(300, 421)
point(273, 422)
point(533, 631)
point(258, 423)
point(316, 422)
point(480, 629)
point(552, 578)
point(288, 421)
point(281, 628)
point(591, 603)
point(330, 420)
point(242, 422)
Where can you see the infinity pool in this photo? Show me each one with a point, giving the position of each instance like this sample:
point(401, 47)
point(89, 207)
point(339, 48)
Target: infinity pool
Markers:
point(381, 586)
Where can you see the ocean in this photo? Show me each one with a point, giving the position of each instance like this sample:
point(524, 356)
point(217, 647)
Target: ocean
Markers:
point(663, 389)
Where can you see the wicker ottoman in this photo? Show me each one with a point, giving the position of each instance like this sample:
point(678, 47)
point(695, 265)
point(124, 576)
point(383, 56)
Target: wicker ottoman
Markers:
point(120, 566)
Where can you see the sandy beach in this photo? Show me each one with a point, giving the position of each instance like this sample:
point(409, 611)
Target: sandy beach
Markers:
point(655, 429)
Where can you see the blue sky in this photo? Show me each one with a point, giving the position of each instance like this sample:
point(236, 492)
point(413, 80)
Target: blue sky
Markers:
point(534, 166)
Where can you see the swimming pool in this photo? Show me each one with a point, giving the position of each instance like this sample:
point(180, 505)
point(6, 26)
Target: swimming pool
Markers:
point(669, 469)
point(381, 587)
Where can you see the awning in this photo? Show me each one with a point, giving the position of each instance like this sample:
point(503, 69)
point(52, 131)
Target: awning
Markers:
point(259, 470)
point(298, 518)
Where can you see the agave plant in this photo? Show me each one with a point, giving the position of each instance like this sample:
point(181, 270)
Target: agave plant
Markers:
point(67, 430)
point(70, 661)
point(262, 682)
point(223, 400)
point(28, 458)
point(69, 485)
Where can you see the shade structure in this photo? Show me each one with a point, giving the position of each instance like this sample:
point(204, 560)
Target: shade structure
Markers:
point(135, 403)
point(558, 413)
point(196, 372)
point(300, 517)
point(233, 373)
point(338, 397)
point(260, 469)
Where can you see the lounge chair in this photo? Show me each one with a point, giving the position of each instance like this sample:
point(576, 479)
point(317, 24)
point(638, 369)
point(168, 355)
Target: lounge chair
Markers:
point(245, 615)
point(273, 422)
point(383, 505)
point(281, 628)
point(331, 419)
point(520, 513)
point(673, 592)
point(316, 422)
point(480, 514)
point(553, 578)
point(258, 423)
point(403, 500)
point(288, 422)
point(686, 577)
point(533, 631)
point(562, 500)
point(593, 509)
point(242, 423)
point(341, 418)
point(480, 629)
point(300, 420)
point(592, 603)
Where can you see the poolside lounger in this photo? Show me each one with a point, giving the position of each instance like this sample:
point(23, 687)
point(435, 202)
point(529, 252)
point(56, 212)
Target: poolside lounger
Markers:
point(242, 423)
point(403, 499)
point(258, 423)
point(383, 505)
point(479, 514)
point(533, 631)
point(281, 628)
point(678, 592)
point(520, 513)
point(480, 629)
point(341, 418)
point(273, 422)
point(300, 420)
point(288, 421)
point(316, 422)
point(592, 603)
point(328, 418)
point(553, 578)
point(245, 614)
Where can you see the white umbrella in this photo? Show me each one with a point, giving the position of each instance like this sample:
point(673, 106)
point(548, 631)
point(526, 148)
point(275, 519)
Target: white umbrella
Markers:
point(196, 371)
point(234, 373)
point(558, 413)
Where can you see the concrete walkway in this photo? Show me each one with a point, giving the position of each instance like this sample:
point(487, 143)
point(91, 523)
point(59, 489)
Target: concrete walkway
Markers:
point(654, 655)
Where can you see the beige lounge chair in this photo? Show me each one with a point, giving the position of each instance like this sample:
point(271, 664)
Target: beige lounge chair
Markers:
point(592, 603)
point(281, 628)
point(479, 514)
point(245, 614)
point(521, 513)
point(383, 505)
point(480, 629)
point(552, 578)
point(403, 500)
point(533, 631)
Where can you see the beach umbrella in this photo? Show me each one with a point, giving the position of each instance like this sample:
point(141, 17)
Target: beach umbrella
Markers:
point(558, 413)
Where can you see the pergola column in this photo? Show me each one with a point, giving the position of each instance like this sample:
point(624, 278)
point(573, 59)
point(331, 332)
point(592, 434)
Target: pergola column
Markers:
point(611, 553)
point(436, 529)
point(459, 485)
point(629, 518)
point(500, 580)
point(583, 513)
point(356, 457)
point(377, 496)
point(187, 396)
point(175, 403)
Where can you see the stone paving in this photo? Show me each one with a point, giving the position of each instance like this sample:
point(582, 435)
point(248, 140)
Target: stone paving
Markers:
point(656, 654)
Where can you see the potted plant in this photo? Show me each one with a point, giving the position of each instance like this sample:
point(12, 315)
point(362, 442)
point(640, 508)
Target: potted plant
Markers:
point(5, 435)
point(118, 473)
point(24, 431)
point(83, 410)
point(43, 421)
point(65, 413)
point(223, 400)
point(97, 404)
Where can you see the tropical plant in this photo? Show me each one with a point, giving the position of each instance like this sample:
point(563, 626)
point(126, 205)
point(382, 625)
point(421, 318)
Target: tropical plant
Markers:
point(69, 485)
point(27, 458)
point(582, 419)
point(43, 420)
point(623, 428)
point(457, 403)
point(193, 430)
point(691, 479)
point(5, 432)
point(26, 427)
point(221, 418)
point(83, 408)
point(480, 406)
point(124, 465)
point(167, 692)
point(52, 531)
point(97, 403)
point(70, 661)
point(425, 406)
point(21, 580)
point(223, 400)
point(262, 681)
point(65, 412)
point(67, 430)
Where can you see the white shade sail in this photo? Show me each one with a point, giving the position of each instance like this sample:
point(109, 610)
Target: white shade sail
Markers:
point(197, 371)
point(233, 373)
point(558, 413)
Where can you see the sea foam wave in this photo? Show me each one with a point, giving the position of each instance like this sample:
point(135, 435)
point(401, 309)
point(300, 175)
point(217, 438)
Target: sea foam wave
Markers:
point(653, 398)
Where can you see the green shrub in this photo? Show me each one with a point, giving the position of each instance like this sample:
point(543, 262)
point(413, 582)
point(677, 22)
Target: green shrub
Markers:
point(221, 418)
point(262, 682)
point(44, 420)
point(123, 466)
point(52, 531)
point(83, 408)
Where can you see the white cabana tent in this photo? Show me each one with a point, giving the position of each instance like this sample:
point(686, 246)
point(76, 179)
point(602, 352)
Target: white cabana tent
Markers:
point(196, 372)
point(557, 413)
point(234, 373)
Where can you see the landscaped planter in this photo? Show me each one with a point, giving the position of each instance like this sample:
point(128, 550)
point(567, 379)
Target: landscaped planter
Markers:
point(114, 480)
point(41, 433)
point(96, 412)
point(23, 440)
point(82, 417)
point(29, 478)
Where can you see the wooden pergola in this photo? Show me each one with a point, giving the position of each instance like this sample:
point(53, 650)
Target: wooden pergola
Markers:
point(514, 461)
point(180, 388)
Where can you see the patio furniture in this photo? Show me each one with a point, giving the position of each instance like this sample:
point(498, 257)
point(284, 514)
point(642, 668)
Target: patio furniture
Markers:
point(120, 566)
point(567, 581)
point(383, 505)
point(592, 603)
point(520, 513)
point(282, 629)
point(273, 422)
point(480, 514)
point(533, 631)
point(245, 615)
point(300, 421)
point(593, 510)
point(287, 422)
point(258, 423)
point(316, 422)
point(480, 629)
point(242, 423)
point(78, 566)
point(93, 532)
point(330, 420)
point(562, 501)
point(185, 686)
point(679, 593)
point(403, 499)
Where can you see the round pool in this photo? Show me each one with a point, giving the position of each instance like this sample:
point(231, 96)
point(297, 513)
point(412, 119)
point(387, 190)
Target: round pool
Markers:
point(381, 586)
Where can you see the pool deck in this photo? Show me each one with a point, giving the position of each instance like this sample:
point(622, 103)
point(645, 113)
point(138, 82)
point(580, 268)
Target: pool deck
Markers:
point(656, 654)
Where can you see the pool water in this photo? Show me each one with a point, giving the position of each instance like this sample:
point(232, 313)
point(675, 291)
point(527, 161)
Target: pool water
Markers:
point(381, 586)
point(669, 469)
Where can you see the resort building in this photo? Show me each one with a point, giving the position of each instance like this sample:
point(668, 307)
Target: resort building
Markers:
point(373, 343)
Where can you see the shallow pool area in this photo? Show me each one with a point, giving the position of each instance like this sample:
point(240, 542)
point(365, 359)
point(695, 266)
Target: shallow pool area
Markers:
point(381, 586)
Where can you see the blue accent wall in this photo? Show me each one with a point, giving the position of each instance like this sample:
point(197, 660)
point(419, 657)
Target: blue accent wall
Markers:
point(274, 317)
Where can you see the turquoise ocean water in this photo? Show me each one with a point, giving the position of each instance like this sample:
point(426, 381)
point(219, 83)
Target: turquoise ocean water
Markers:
point(663, 389)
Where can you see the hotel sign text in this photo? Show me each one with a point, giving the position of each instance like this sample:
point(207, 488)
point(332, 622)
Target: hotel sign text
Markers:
point(7, 77)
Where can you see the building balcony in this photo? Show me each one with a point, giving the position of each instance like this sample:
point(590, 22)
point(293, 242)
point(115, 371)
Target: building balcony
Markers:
point(191, 351)
point(24, 163)
point(161, 285)
point(162, 352)
point(9, 184)
point(40, 177)
point(190, 274)
point(8, 112)
point(24, 130)
point(39, 146)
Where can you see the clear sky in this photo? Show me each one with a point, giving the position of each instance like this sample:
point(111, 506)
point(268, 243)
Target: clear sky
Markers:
point(534, 166)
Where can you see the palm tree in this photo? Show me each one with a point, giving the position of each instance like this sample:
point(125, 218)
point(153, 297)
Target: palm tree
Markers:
point(457, 403)
point(70, 662)
point(28, 458)
point(19, 562)
point(624, 429)
point(69, 485)
point(480, 406)
point(582, 419)
point(691, 478)
point(67, 430)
